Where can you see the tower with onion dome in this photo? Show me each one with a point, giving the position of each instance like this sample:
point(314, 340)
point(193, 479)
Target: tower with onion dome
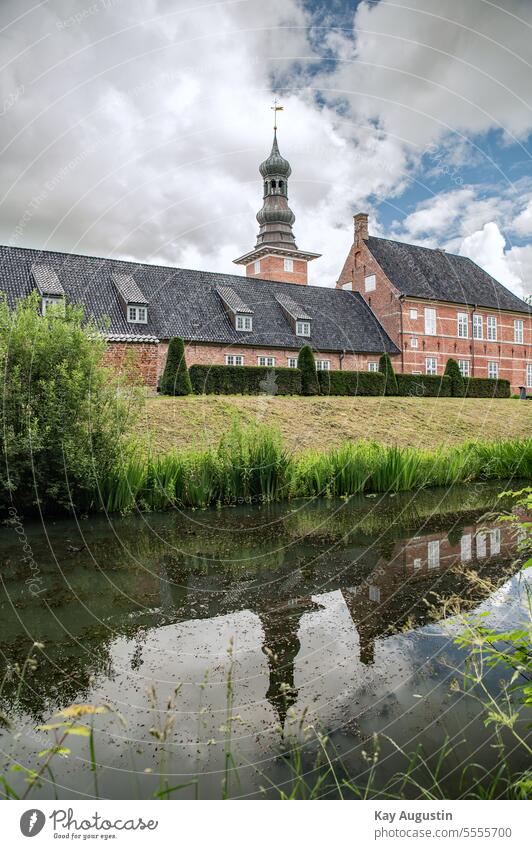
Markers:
point(276, 255)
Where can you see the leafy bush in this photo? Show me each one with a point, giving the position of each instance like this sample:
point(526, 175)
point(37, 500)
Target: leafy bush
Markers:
point(61, 421)
point(307, 365)
point(486, 387)
point(390, 381)
point(245, 380)
point(351, 382)
point(452, 370)
point(424, 385)
point(176, 379)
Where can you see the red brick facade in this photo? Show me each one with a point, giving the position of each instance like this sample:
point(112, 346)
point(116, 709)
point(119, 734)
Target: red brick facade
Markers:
point(407, 322)
point(138, 360)
point(272, 267)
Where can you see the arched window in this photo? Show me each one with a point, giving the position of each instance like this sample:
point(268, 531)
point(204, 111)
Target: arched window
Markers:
point(281, 184)
point(273, 184)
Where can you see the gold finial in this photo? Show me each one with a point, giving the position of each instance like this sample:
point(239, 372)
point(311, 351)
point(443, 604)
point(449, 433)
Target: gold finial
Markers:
point(276, 108)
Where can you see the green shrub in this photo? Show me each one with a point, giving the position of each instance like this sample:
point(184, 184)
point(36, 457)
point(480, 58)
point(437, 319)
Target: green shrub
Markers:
point(307, 366)
point(351, 382)
point(176, 379)
point(486, 387)
point(245, 380)
point(390, 381)
point(452, 371)
point(424, 385)
point(62, 423)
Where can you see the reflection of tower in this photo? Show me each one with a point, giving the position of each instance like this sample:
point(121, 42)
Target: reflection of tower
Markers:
point(281, 646)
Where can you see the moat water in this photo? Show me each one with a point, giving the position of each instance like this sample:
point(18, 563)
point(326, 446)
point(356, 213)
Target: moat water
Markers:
point(324, 615)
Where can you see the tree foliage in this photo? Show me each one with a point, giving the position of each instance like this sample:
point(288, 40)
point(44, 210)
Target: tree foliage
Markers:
point(62, 420)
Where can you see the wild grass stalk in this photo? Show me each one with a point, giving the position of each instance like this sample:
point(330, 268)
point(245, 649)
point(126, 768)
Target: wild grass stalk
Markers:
point(251, 464)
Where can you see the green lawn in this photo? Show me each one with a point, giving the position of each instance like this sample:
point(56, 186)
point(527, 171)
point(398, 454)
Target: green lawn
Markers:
point(324, 422)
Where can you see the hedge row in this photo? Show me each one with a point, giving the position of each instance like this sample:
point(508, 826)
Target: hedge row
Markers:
point(424, 385)
point(257, 380)
point(351, 382)
point(486, 387)
point(245, 380)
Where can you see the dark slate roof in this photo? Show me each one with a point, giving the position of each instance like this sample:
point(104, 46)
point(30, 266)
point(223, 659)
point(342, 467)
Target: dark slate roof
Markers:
point(233, 300)
point(293, 309)
point(428, 273)
point(46, 280)
point(128, 289)
point(185, 303)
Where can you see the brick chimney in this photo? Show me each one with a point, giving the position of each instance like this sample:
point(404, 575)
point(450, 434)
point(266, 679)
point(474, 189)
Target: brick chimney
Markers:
point(361, 227)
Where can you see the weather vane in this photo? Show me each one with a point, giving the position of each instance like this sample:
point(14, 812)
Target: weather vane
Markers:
point(276, 108)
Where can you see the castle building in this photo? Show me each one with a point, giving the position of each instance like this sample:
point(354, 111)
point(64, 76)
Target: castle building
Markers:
point(421, 306)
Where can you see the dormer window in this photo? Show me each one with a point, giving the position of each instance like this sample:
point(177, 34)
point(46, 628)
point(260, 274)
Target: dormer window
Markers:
point(244, 322)
point(302, 328)
point(48, 301)
point(137, 314)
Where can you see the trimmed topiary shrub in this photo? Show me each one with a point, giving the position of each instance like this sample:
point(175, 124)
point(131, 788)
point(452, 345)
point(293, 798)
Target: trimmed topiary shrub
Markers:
point(175, 379)
point(351, 382)
point(486, 387)
point(245, 380)
point(390, 381)
point(307, 366)
point(452, 370)
point(424, 385)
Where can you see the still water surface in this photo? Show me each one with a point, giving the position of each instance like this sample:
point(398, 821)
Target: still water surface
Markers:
point(326, 606)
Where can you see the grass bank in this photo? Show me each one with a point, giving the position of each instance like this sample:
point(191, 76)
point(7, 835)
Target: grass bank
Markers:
point(252, 464)
point(307, 423)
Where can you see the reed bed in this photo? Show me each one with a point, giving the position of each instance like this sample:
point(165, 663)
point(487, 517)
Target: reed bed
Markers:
point(251, 465)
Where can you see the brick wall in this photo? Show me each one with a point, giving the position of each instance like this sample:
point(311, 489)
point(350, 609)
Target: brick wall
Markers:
point(272, 268)
point(204, 354)
point(138, 359)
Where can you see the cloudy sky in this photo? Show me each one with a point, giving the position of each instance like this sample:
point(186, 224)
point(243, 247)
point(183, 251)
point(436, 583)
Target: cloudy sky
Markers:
point(134, 128)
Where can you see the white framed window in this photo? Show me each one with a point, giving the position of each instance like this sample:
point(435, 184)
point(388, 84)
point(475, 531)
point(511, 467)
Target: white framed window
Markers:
point(433, 554)
point(137, 314)
point(417, 562)
point(234, 360)
point(256, 266)
point(478, 325)
point(51, 301)
point(493, 370)
point(495, 541)
point(323, 365)
point(491, 328)
point(465, 548)
point(302, 328)
point(374, 593)
point(414, 342)
point(431, 365)
point(373, 366)
point(518, 330)
point(292, 362)
point(413, 314)
point(288, 264)
point(266, 361)
point(464, 367)
point(244, 322)
point(481, 545)
point(430, 321)
point(463, 325)
point(348, 286)
point(529, 375)
point(370, 283)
